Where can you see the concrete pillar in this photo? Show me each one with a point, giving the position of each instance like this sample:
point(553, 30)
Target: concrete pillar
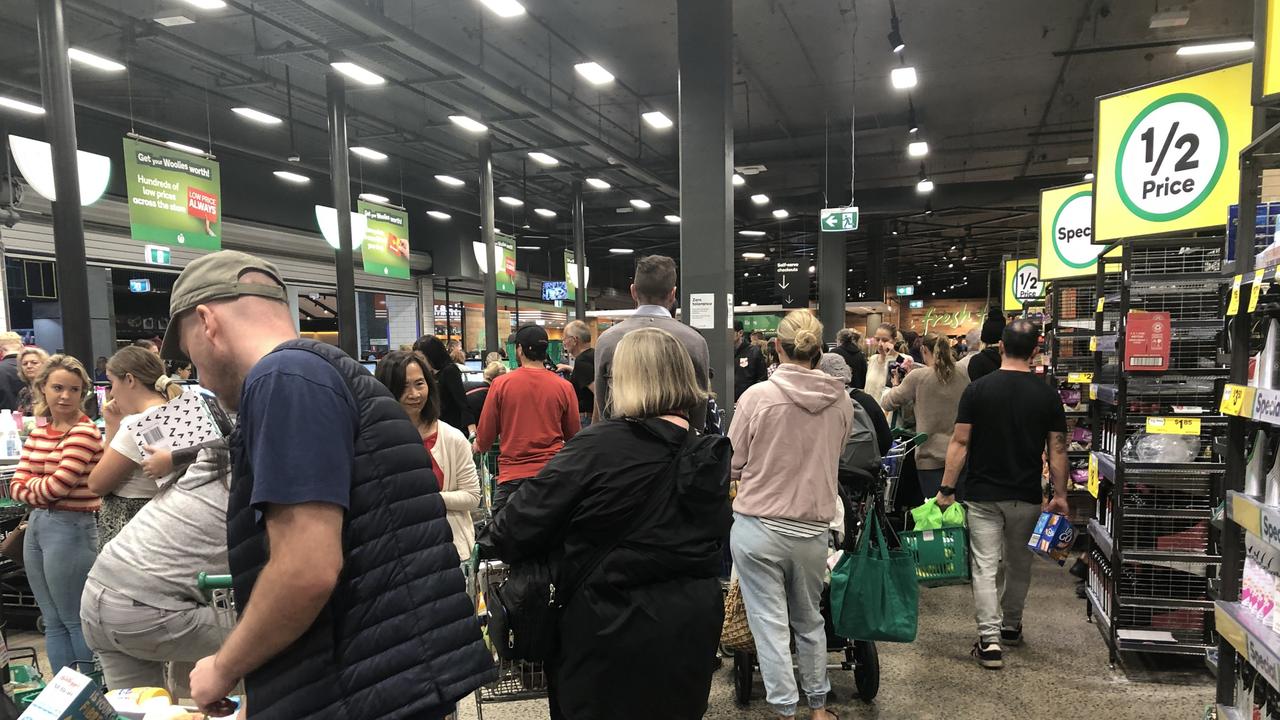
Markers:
point(579, 252)
point(102, 312)
point(340, 174)
point(491, 340)
point(832, 283)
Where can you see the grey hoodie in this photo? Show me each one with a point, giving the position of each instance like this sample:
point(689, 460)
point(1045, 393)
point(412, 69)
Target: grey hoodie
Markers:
point(787, 437)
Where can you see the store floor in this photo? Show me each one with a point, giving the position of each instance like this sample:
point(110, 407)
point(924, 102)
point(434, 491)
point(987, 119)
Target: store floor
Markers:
point(1061, 671)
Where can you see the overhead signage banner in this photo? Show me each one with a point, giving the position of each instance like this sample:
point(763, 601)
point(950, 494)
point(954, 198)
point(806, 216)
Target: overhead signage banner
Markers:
point(791, 283)
point(1022, 284)
point(385, 249)
point(175, 198)
point(1167, 154)
point(1066, 233)
point(504, 276)
point(570, 276)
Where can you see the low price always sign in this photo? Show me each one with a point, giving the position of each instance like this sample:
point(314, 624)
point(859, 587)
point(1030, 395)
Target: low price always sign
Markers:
point(175, 198)
point(385, 250)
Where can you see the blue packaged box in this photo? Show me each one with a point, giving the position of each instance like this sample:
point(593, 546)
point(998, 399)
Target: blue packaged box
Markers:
point(70, 696)
point(1053, 537)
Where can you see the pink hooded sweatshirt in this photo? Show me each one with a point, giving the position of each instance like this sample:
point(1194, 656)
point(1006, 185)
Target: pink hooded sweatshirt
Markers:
point(788, 434)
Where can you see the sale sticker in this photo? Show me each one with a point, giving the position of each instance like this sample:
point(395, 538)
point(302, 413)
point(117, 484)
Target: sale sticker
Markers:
point(1258, 288)
point(1080, 377)
point(1237, 400)
point(1093, 482)
point(1166, 153)
point(1173, 425)
point(1233, 305)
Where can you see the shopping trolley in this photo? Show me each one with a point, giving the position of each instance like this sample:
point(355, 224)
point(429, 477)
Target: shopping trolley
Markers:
point(517, 679)
point(861, 496)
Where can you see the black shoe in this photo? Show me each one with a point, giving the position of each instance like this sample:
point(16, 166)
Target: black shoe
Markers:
point(1080, 591)
point(1080, 569)
point(1011, 637)
point(988, 654)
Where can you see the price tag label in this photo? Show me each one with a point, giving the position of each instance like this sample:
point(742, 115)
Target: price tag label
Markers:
point(1233, 305)
point(1258, 288)
point(1080, 377)
point(1093, 344)
point(1093, 392)
point(1173, 425)
point(1093, 476)
point(1102, 302)
point(1237, 400)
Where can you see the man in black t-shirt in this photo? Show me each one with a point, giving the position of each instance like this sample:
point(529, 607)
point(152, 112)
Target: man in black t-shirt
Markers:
point(582, 374)
point(1003, 425)
point(748, 363)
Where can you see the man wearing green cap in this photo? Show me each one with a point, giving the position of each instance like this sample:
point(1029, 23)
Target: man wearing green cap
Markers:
point(350, 598)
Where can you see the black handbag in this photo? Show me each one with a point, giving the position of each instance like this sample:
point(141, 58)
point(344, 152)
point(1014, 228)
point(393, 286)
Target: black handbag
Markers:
point(524, 608)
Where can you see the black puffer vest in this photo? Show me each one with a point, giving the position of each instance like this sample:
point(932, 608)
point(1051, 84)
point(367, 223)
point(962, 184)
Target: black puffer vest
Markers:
point(399, 637)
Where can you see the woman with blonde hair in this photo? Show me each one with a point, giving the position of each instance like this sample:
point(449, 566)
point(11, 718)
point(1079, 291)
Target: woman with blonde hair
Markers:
point(138, 383)
point(636, 508)
point(30, 361)
point(788, 435)
point(935, 391)
point(58, 548)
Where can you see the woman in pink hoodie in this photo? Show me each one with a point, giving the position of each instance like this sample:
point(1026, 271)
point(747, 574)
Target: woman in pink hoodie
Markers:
point(787, 437)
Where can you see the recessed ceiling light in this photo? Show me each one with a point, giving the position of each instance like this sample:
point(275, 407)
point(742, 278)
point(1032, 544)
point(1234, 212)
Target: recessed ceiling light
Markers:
point(174, 20)
point(639, 204)
point(594, 73)
point(439, 215)
point(903, 78)
point(512, 201)
point(739, 180)
point(292, 177)
point(598, 184)
point(812, 269)
point(657, 120)
point(673, 219)
point(20, 106)
point(780, 213)
point(919, 148)
point(1088, 176)
point(94, 61)
point(504, 8)
point(924, 186)
point(450, 180)
point(184, 148)
point(1216, 48)
point(543, 158)
point(760, 199)
point(468, 124)
point(544, 212)
point(206, 4)
point(361, 75)
point(751, 233)
point(375, 197)
point(256, 115)
point(621, 251)
point(752, 256)
point(368, 153)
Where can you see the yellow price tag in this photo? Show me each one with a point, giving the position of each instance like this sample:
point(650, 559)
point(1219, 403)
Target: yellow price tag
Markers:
point(1257, 289)
point(1093, 344)
point(1237, 400)
point(1233, 305)
point(1094, 482)
point(1173, 425)
point(1080, 377)
point(1093, 392)
point(1102, 302)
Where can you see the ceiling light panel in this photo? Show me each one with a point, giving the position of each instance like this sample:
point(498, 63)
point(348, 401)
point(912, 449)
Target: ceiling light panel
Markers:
point(256, 115)
point(639, 204)
point(594, 73)
point(439, 215)
point(375, 197)
point(368, 153)
point(657, 120)
point(504, 8)
point(96, 62)
point(543, 159)
point(544, 212)
point(920, 148)
point(903, 78)
point(20, 106)
point(450, 180)
point(468, 124)
point(598, 184)
point(292, 177)
point(760, 199)
point(362, 75)
point(512, 201)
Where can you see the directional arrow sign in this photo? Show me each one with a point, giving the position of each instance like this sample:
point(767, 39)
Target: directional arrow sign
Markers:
point(792, 284)
point(838, 219)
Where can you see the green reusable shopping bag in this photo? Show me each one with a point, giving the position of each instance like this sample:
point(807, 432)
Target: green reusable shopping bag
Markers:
point(929, 517)
point(874, 591)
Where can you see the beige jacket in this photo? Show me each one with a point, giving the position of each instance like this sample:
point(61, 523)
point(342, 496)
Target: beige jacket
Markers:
point(461, 493)
point(935, 410)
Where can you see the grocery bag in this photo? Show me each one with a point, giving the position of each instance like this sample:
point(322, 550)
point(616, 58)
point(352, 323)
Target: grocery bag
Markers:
point(874, 592)
point(929, 517)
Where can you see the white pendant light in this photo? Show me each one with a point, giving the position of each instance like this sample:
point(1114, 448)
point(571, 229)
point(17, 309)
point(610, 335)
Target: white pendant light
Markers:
point(34, 159)
point(327, 219)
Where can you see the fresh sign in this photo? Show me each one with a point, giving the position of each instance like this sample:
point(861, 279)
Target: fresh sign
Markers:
point(838, 219)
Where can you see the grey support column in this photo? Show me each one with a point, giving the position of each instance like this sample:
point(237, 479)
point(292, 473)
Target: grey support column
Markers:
point(875, 262)
point(579, 252)
point(491, 340)
point(340, 173)
point(705, 42)
point(832, 283)
point(68, 225)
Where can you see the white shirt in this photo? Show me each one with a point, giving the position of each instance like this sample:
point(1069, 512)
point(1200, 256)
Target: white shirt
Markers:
point(138, 485)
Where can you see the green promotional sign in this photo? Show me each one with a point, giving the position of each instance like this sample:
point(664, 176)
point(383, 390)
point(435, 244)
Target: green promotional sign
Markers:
point(570, 275)
point(504, 276)
point(386, 240)
point(175, 198)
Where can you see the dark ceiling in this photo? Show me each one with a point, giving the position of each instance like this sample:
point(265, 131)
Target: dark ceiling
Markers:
point(1005, 97)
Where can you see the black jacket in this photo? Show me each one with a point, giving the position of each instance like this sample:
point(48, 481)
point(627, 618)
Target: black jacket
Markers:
point(985, 362)
point(453, 401)
point(748, 368)
point(11, 382)
point(475, 394)
point(638, 638)
point(857, 362)
point(399, 638)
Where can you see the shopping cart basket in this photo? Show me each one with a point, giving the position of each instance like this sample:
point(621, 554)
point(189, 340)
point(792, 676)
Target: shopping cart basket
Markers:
point(517, 679)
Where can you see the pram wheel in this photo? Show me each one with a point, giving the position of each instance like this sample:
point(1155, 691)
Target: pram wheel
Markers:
point(866, 668)
point(743, 677)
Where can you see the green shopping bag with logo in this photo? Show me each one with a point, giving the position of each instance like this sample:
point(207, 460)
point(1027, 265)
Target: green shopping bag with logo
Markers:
point(874, 591)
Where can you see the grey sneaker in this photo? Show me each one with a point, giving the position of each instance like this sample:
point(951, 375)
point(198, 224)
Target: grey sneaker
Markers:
point(988, 654)
point(1011, 637)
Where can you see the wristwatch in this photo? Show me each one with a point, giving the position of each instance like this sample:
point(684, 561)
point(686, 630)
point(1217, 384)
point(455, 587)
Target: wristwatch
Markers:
point(946, 491)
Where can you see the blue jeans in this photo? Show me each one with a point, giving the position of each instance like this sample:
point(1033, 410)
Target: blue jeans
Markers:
point(781, 581)
point(58, 552)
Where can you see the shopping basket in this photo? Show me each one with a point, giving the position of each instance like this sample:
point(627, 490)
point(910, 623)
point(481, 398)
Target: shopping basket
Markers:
point(517, 679)
point(942, 555)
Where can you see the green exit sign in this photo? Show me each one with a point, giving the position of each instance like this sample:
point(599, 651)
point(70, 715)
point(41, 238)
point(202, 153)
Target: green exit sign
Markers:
point(904, 290)
point(915, 304)
point(157, 255)
point(838, 219)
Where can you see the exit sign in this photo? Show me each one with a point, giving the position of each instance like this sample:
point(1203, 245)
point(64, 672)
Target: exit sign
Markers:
point(838, 219)
point(906, 290)
point(915, 304)
point(157, 255)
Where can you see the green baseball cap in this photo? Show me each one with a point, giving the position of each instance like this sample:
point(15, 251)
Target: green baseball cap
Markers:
point(216, 276)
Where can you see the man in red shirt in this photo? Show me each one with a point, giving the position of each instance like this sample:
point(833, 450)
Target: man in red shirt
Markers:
point(532, 412)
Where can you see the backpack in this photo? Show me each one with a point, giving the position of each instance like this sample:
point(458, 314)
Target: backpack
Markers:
point(861, 457)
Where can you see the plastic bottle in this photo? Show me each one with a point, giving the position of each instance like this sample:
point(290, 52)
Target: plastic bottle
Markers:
point(9, 438)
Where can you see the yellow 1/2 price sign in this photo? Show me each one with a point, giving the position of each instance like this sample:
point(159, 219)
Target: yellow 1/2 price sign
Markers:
point(1237, 400)
point(1093, 476)
point(1173, 425)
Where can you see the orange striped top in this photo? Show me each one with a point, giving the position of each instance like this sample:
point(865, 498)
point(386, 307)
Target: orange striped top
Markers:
point(54, 470)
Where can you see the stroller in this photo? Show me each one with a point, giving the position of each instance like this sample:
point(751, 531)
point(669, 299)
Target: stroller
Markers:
point(861, 495)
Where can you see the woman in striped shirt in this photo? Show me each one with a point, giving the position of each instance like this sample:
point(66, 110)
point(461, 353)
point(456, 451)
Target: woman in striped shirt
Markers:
point(62, 537)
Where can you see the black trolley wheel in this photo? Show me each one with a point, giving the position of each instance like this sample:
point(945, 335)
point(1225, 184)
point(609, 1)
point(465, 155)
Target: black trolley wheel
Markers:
point(743, 677)
point(866, 669)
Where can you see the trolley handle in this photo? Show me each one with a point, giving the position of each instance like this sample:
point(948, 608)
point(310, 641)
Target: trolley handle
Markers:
point(206, 582)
